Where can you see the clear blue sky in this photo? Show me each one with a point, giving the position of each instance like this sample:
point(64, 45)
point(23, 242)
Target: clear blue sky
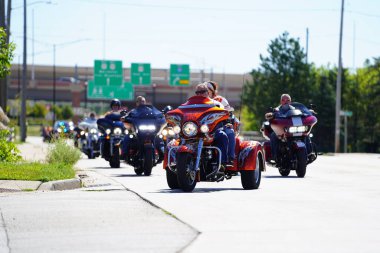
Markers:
point(219, 34)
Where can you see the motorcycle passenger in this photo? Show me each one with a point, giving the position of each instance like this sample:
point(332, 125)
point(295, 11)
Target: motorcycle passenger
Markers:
point(221, 138)
point(228, 128)
point(282, 109)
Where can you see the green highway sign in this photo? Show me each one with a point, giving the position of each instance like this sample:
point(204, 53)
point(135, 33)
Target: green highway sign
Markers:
point(140, 74)
point(346, 113)
point(108, 73)
point(179, 74)
point(122, 92)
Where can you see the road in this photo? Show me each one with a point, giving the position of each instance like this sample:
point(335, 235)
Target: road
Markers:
point(335, 208)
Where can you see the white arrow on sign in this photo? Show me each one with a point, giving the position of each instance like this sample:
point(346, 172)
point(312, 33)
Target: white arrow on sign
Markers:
point(177, 79)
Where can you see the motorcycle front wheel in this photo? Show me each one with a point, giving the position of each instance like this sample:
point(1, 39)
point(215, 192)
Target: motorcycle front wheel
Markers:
point(185, 172)
point(148, 161)
point(115, 158)
point(172, 179)
point(301, 162)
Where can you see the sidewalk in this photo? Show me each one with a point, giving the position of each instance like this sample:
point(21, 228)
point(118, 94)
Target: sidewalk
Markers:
point(34, 149)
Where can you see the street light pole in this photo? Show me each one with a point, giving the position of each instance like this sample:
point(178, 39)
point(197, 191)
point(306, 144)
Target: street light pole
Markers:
point(338, 86)
point(23, 89)
point(54, 109)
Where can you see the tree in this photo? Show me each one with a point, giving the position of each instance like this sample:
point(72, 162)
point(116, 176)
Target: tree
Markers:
point(284, 70)
point(6, 50)
point(67, 112)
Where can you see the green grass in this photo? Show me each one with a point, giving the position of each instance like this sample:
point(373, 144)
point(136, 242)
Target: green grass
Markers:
point(34, 171)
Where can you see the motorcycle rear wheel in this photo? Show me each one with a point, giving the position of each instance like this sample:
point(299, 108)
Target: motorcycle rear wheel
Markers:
point(148, 161)
point(284, 172)
point(186, 178)
point(301, 163)
point(250, 179)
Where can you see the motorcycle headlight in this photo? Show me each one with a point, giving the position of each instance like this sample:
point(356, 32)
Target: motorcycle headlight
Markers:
point(171, 132)
point(71, 128)
point(86, 134)
point(126, 131)
point(177, 129)
point(147, 127)
point(297, 129)
point(204, 129)
point(190, 129)
point(93, 131)
point(164, 132)
point(59, 130)
point(108, 131)
point(81, 132)
point(117, 131)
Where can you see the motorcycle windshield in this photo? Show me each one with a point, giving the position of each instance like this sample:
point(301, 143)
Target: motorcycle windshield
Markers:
point(145, 111)
point(296, 109)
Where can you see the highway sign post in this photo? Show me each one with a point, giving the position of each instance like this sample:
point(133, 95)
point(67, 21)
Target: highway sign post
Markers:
point(179, 74)
point(140, 74)
point(345, 114)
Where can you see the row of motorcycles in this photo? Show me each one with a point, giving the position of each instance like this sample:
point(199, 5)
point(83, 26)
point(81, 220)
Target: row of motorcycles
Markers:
point(184, 140)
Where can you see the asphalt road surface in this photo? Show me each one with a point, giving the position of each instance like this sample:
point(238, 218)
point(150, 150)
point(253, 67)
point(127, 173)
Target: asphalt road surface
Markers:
point(335, 208)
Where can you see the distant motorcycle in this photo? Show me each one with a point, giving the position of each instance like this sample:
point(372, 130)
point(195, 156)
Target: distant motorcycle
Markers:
point(87, 138)
point(113, 133)
point(295, 149)
point(144, 147)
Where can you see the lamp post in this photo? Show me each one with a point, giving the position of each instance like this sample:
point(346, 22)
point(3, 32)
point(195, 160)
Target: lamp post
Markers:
point(23, 88)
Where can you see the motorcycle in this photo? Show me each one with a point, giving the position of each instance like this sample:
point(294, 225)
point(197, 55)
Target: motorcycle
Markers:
point(112, 135)
point(192, 157)
point(144, 146)
point(293, 130)
point(87, 138)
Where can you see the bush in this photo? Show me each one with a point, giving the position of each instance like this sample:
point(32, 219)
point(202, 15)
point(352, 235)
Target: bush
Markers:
point(63, 153)
point(67, 112)
point(8, 150)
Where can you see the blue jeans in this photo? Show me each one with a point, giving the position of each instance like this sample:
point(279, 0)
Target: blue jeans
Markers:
point(231, 142)
point(221, 141)
point(273, 145)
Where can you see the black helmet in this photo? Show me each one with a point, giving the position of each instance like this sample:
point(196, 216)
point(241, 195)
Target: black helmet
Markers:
point(115, 101)
point(166, 109)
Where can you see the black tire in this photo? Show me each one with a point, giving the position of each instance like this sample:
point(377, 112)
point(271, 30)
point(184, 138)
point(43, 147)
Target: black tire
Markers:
point(301, 162)
point(139, 171)
point(148, 161)
point(284, 172)
point(186, 180)
point(172, 179)
point(115, 158)
point(90, 153)
point(250, 179)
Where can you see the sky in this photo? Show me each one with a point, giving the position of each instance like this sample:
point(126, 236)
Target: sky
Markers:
point(213, 35)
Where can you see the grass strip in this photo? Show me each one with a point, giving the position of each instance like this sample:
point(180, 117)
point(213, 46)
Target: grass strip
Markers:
point(35, 171)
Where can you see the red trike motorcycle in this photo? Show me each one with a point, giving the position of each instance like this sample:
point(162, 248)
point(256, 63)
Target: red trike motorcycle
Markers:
point(191, 157)
point(295, 149)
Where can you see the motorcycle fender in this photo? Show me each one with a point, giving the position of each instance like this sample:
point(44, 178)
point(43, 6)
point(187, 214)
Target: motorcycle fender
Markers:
point(249, 155)
point(184, 149)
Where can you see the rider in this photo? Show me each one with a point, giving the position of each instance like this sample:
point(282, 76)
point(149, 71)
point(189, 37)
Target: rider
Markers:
point(221, 138)
point(228, 128)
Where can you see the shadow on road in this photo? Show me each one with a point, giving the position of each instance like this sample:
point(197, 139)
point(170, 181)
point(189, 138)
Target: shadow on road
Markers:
point(199, 190)
point(280, 177)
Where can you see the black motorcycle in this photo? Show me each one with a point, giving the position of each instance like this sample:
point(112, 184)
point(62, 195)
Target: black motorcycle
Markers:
point(144, 145)
point(113, 133)
point(87, 138)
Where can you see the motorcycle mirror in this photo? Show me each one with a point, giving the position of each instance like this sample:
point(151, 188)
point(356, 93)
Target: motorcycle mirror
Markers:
point(270, 109)
point(313, 106)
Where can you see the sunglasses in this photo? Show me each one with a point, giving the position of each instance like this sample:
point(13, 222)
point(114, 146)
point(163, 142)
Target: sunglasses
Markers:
point(201, 92)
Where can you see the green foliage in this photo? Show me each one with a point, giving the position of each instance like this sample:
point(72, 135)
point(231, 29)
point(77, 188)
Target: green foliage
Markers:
point(6, 54)
point(248, 120)
point(67, 112)
point(35, 171)
point(8, 150)
point(38, 111)
point(63, 153)
point(284, 70)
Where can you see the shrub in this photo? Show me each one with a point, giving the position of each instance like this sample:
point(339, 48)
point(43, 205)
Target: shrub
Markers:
point(63, 153)
point(8, 150)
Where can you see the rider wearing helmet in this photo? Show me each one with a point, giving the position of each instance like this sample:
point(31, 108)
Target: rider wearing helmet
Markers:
point(228, 128)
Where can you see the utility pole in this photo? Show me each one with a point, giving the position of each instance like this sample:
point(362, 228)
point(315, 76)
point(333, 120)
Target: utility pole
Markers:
point(54, 109)
point(23, 89)
point(338, 86)
point(307, 44)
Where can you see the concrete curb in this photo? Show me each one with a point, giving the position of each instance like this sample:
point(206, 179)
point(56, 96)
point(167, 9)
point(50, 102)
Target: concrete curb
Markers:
point(60, 185)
